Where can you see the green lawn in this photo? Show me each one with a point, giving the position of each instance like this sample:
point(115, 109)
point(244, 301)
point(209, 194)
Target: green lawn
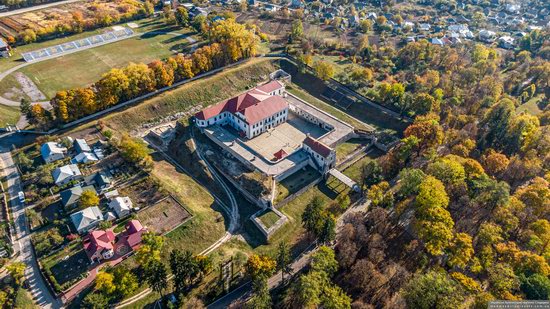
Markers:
point(343, 65)
point(9, 115)
point(87, 66)
point(269, 218)
point(532, 106)
point(295, 182)
point(348, 147)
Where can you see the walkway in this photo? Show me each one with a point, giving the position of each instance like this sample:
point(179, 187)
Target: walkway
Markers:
point(22, 242)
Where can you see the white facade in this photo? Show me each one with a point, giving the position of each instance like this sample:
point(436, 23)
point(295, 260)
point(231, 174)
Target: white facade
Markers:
point(322, 162)
point(239, 122)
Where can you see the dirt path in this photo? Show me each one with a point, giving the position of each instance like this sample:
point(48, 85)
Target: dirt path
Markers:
point(29, 87)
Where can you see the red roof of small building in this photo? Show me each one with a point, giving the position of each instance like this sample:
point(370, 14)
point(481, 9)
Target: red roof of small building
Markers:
point(98, 241)
point(134, 231)
point(317, 146)
point(255, 104)
point(280, 154)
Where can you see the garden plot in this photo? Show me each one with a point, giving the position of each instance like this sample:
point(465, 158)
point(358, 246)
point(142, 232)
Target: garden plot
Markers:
point(164, 216)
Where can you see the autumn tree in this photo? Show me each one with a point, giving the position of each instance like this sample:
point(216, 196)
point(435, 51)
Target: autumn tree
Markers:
point(104, 282)
point(150, 249)
point(460, 250)
point(163, 73)
point(88, 198)
point(111, 88)
point(182, 16)
point(323, 70)
point(141, 79)
point(427, 130)
point(433, 222)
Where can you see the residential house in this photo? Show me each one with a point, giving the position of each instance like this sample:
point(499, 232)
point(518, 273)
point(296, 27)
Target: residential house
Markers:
point(52, 152)
point(65, 174)
point(424, 27)
point(80, 145)
point(99, 245)
point(71, 196)
point(487, 36)
point(86, 219)
point(134, 233)
point(506, 42)
point(121, 206)
point(84, 157)
point(250, 113)
point(100, 180)
point(5, 50)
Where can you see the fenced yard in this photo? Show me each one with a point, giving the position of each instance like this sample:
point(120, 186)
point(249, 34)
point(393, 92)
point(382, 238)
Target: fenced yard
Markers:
point(164, 216)
point(67, 266)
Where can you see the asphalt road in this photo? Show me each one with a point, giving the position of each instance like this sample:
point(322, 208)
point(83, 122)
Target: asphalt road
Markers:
point(22, 241)
point(36, 8)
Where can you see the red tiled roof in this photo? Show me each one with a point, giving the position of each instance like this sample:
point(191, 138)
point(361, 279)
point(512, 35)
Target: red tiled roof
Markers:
point(264, 109)
point(271, 86)
point(99, 240)
point(251, 104)
point(317, 146)
point(280, 154)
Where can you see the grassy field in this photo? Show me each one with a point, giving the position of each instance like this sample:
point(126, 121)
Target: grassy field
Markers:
point(347, 148)
point(340, 65)
point(87, 66)
point(205, 227)
point(295, 182)
point(532, 106)
point(8, 115)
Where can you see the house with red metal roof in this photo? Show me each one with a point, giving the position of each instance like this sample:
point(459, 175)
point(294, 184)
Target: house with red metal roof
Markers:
point(250, 113)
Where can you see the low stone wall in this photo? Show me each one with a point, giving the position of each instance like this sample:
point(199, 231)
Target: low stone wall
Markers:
point(268, 232)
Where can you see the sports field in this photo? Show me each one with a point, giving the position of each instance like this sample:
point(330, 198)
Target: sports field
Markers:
point(154, 40)
point(85, 67)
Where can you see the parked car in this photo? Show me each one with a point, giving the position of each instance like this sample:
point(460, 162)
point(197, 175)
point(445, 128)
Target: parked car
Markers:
point(21, 197)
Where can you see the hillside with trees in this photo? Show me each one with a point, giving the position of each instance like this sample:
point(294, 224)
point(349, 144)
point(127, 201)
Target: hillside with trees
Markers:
point(461, 206)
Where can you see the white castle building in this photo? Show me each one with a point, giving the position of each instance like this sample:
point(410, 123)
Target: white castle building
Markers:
point(250, 113)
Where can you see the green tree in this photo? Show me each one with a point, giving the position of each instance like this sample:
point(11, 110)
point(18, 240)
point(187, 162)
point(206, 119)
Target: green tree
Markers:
point(95, 301)
point(25, 107)
point(503, 280)
point(328, 228)
point(261, 298)
point(297, 29)
point(433, 290)
point(448, 170)
point(410, 180)
point(182, 16)
point(371, 173)
point(156, 276)
point(324, 260)
point(312, 218)
point(536, 287)
point(184, 268)
point(284, 260)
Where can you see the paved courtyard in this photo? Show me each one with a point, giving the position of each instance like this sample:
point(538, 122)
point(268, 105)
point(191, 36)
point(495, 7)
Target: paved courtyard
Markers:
point(287, 136)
